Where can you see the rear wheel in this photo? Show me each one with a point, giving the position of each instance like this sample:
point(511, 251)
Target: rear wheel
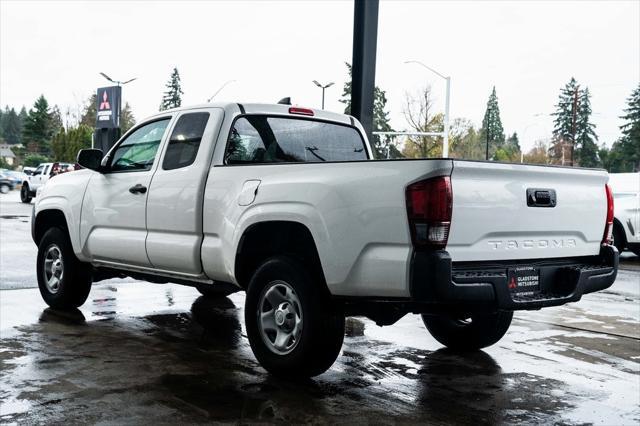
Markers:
point(4, 188)
point(25, 195)
point(293, 327)
point(63, 280)
point(468, 333)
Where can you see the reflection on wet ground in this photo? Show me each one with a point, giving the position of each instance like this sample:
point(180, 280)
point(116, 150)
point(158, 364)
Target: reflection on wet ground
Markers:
point(143, 353)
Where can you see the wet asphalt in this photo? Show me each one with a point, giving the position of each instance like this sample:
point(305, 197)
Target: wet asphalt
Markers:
point(140, 353)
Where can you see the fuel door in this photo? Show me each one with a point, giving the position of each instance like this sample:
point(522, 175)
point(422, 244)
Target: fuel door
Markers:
point(249, 192)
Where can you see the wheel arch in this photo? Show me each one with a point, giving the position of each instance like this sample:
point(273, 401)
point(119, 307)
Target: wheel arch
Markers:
point(617, 224)
point(265, 239)
point(46, 219)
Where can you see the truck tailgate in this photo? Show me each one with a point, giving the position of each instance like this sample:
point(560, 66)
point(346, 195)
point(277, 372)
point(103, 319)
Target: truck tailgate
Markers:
point(507, 211)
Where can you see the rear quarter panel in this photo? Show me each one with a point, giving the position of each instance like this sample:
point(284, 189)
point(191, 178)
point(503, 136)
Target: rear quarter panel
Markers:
point(355, 212)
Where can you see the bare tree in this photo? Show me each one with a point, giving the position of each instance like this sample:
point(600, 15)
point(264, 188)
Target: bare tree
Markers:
point(420, 117)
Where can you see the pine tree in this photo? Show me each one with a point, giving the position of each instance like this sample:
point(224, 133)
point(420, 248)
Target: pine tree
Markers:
point(173, 96)
point(625, 152)
point(127, 120)
point(11, 126)
point(88, 117)
point(381, 121)
point(586, 148)
point(66, 143)
point(56, 120)
point(564, 129)
point(37, 129)
point(492, 132)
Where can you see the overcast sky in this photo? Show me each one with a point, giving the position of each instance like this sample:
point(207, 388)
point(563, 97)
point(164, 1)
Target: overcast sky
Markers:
point(528, 50)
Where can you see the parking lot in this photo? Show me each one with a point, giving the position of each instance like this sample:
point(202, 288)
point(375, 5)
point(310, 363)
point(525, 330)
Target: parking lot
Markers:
point(148, 353)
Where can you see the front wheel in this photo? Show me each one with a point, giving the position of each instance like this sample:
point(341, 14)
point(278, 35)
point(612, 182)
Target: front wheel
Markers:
point(25, 195)
point(293, 327)
point(4, 188)
point(63, 280)
point(468, 333)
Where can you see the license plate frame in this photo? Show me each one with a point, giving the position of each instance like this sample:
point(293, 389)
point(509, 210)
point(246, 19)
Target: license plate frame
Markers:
point(523, 281)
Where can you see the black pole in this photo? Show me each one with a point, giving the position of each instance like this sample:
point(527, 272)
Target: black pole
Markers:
point(365, 37)
point(486, 156)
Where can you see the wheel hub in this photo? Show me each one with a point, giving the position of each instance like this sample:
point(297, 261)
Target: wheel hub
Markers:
point(280, 317)
point(53, 268)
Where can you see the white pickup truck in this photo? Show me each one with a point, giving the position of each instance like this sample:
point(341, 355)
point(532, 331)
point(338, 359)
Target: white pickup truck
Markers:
point(287, 204)
point(39, 177)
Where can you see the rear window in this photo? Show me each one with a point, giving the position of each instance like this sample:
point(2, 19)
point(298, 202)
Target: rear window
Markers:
point(264, 139)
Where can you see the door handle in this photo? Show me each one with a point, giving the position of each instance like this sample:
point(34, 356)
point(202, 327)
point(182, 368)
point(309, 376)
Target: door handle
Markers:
point(138, 189)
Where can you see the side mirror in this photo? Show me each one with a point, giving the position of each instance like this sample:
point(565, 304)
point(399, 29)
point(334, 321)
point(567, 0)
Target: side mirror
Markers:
point(90, 159)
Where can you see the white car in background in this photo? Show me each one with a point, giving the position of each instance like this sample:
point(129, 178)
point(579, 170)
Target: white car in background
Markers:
point(626, 228)
point(39, 177)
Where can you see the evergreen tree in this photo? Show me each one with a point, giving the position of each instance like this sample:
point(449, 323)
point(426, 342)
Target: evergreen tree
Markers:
point(56, 120)
point(381, 121)
point(127, 120)
point(173, 96)
point(564, 130)
point(88, 117)
point(627, 148)
point(492, 131)
point(11, 126)
point(37, 129)
point(510, 151)
point(586, 148)
point(66, 143)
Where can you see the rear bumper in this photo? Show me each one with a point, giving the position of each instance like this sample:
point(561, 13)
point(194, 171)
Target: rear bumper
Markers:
point(435, 279)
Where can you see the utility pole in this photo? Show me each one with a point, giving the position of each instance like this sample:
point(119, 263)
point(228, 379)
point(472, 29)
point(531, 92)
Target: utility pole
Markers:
point(574, 115)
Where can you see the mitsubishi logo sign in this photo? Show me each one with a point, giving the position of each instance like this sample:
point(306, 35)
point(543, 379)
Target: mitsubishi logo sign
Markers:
point(108, 107)
point(105, 101)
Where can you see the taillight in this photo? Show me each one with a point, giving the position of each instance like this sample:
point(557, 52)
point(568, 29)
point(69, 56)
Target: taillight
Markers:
point(607, 238)
point(429, 204)
point(301, 111)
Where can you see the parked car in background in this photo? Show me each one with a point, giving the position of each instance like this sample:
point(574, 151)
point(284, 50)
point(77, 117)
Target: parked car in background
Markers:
point(6, 183)
point(16, 177)
point(626, 226)
point(40, 176)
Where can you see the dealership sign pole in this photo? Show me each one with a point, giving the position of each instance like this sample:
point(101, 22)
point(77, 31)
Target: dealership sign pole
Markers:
point(108, 103)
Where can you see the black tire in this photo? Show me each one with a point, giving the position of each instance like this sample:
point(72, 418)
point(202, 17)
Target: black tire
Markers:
point(217, 290)
point(25, 195)
point(619, 239)
point(473, 333)
point(74, 277)
point(322, 327)
point(4, 188)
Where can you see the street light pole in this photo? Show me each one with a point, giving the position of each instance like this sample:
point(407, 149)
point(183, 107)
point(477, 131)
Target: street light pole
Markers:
point(118, 83)
point(323, 89)
point(445, 143)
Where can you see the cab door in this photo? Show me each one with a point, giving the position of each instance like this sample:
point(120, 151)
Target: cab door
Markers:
point(174, 206)
point(113, 223)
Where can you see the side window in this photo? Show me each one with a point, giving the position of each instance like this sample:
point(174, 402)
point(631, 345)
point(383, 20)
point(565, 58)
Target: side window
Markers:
point(38, 171)
point(185, 140)
point(264, 139)
point(138, 150)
